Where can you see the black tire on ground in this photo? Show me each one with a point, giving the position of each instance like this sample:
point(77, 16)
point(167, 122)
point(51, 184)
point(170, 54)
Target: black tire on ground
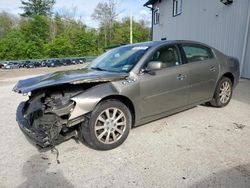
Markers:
point(88, 128)
point(217, 101)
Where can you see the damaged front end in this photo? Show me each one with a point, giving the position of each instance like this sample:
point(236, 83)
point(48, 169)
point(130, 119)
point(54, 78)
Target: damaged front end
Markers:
point(45, 117)
point(51, 116)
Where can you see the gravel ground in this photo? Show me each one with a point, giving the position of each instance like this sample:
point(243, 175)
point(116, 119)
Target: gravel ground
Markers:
point(200, 147)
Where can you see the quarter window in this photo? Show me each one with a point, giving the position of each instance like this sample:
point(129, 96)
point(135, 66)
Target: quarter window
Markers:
point(177, 7)
point(197, 53)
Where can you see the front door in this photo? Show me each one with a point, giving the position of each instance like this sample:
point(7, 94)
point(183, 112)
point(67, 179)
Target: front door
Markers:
point(167, 89)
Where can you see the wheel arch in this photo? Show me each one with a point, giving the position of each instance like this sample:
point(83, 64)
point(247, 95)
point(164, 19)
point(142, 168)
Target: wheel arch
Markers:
point(230, 76)
point(126, 101)
point(89, 99)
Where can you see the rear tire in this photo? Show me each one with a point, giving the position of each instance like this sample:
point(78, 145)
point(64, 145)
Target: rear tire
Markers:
point(108, 126)
point(223, 93)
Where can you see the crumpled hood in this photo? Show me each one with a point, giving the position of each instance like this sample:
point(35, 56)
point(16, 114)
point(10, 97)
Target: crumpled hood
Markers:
point(67, 77)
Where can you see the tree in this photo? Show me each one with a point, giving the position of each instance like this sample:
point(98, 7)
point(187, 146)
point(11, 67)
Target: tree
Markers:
point(106, 14)
point(58, 47)
point(36, 29)
point(37, 7)
point(63, 35)
point(141, 32)
point(85, 42)
point(7, 23)
point(13, 46)
point(36, 33)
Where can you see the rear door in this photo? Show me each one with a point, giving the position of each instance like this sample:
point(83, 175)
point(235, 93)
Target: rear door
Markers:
point(203, 71)
point(167, 89)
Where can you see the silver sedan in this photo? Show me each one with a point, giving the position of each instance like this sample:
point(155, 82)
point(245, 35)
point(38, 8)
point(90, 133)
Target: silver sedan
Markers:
point(123, 88)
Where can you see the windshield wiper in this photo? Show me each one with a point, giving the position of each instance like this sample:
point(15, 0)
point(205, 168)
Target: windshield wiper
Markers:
point(98, 68)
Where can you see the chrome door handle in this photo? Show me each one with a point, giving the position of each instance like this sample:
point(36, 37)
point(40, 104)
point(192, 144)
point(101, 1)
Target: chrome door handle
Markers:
point(213, 69)
point(181, 77)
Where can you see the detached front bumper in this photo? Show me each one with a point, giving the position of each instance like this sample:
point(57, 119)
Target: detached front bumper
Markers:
point(38, 136)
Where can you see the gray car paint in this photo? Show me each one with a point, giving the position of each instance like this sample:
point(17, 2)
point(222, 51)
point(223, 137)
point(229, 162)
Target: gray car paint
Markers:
point(63, 77)
point(138, 96)
point(159, 94)
point(153, 96)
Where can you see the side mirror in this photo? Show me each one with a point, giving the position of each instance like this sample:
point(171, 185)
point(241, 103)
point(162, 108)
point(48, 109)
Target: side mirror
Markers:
point(154, 65)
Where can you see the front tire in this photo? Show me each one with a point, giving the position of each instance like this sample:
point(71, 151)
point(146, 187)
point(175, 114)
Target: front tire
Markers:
point(223, 93)
point(108, 126)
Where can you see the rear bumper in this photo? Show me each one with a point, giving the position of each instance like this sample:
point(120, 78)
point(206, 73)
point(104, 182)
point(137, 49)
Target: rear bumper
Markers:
point(39, 137)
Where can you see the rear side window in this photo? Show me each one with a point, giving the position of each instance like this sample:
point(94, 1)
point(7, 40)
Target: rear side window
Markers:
point(196, 53)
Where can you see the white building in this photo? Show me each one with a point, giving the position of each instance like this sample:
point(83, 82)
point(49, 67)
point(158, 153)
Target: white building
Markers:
point(223, 24)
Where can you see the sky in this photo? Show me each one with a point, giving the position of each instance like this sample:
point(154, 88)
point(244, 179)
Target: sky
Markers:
point(85, 8)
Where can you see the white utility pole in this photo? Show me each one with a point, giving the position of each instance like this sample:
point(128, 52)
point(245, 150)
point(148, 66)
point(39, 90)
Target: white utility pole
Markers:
point(131, 28)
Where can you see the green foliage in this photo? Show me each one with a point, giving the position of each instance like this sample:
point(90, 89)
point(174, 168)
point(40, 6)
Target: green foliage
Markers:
point(37, 7)
point(85, 43)
point(58, 47)
point(36, 28)
point(12, 46)
point(121, 34)
point(36, 33)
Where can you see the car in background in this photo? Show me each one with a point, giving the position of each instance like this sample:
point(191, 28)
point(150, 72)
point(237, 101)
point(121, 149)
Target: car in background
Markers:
point(33, 64)
point(3, 64)
point(12, 65)
point(54, 63)
point(82, 60)
point(66, 62)
point(30, 65)
point(24, 64)
point(38, 63)
point(74, 61)
point(44, 63)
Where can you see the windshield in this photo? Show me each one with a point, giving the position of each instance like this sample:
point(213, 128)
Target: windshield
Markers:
point(121, 59)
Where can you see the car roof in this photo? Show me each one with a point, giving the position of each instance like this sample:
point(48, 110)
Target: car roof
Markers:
point(156, 43)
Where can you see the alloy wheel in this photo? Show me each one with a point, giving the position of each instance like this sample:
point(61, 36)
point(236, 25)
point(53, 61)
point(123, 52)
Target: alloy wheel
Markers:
point(110, 125)
point(225, 92)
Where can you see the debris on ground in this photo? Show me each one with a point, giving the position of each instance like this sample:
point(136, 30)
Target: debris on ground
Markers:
point(44, 157)
point(239, 126)
point(54, 150)
point(178, 145)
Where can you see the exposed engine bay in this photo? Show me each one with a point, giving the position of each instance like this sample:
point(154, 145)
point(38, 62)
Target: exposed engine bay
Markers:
point(59, 102)
point(47, 114)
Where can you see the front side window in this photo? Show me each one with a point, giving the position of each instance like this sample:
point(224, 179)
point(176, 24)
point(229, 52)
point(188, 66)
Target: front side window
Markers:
point(197, 53)
point(167, 55)
point(177, 7)
point(156, 16)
